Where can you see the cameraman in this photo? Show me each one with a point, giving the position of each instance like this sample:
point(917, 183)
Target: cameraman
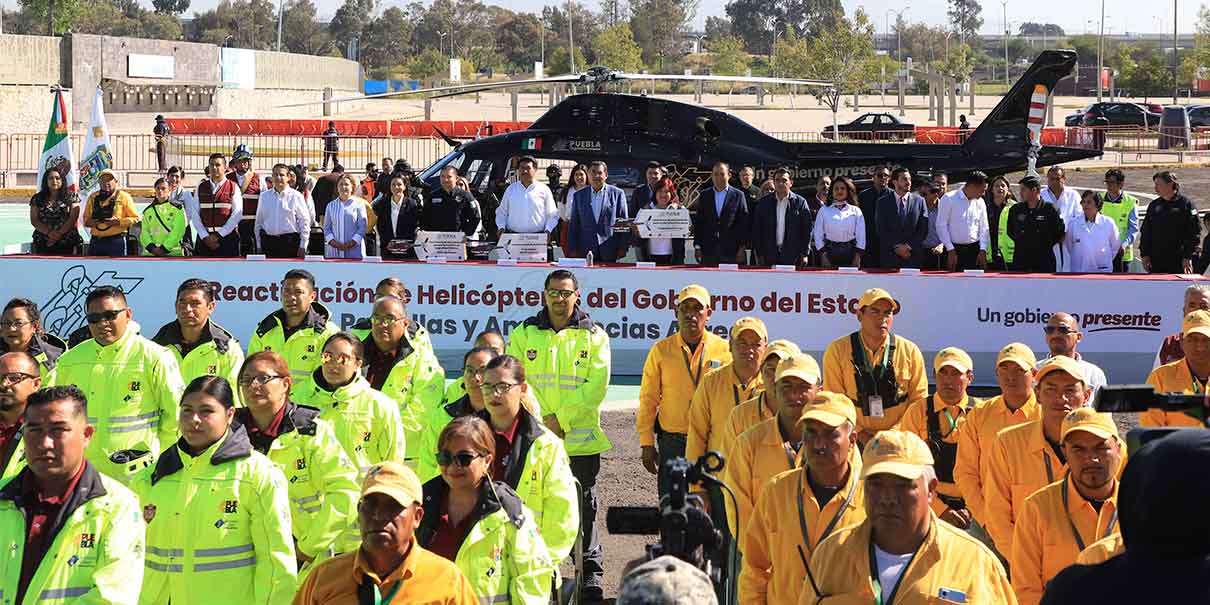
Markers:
point(1188, 375)
point(824, 496)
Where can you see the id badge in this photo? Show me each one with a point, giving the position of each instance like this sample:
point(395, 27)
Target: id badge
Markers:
point(876, 410)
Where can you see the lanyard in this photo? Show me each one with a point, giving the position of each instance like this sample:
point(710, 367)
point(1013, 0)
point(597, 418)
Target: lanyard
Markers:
point(878, 582)
point(1113, 519)
point(802, 518)
point(381, 599)
point(700, 360)
point(791, 454)
point(1198, 386)
point(881, 370)
point(1050, 474)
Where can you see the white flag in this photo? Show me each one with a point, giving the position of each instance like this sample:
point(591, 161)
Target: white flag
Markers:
point(56, 151)
point(97, 154)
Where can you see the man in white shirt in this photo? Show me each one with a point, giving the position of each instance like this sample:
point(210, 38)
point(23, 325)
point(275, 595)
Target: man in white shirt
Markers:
point(1092, 241)
point(1057, 194)
point(962, 224)
point(282, 225)
point(528, 206)
point(1062, 335)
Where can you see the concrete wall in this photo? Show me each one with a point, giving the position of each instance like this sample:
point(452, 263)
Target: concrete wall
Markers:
point(32, 60)
point(261, 103)
point(305, 72)
point(26, 109)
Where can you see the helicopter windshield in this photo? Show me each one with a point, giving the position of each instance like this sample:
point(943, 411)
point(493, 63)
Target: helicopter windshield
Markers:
point(454, 158)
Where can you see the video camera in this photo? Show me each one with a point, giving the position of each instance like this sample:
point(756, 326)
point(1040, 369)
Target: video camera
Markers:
point(686, 530)
point(1125, 398)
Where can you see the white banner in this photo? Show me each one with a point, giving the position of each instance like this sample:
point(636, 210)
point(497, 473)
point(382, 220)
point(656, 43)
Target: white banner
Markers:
point(151, 66)
point(1124, 318)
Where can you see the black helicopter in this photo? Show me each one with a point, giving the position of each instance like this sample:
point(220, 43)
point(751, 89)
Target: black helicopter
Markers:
point(628, 131)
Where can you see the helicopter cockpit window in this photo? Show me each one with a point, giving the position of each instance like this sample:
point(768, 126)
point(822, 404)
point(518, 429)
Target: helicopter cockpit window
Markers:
point(477, 174)
point(453, 158)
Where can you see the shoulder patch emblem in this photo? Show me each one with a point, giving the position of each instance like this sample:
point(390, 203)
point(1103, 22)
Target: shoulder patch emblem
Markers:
point(531, 354)
point(148, 513)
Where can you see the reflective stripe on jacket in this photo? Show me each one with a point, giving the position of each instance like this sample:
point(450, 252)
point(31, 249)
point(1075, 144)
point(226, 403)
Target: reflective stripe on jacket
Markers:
point(218, 527)
point(320, 479)
point(365, 421)
point(302, 351)
point(96, 556)
point(133, 388)
point(568, 371)
point(416, 383)
point(503, 554)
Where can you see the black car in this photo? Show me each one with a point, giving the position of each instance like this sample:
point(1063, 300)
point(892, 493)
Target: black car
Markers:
point(874, 126)
point(1199, 116)
point(1116, 113)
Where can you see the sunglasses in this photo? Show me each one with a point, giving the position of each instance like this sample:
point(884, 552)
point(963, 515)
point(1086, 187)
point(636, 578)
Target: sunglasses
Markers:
point(463, 459)
point(1059, 329)
point(339, 358)
point(96, 318)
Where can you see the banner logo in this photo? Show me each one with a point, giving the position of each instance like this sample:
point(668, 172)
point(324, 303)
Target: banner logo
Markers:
point(64, 311)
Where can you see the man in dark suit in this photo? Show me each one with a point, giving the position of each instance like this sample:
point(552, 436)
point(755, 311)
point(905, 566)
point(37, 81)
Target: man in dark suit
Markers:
point(781, 225)
point(903, 224)
point(596, 208)
point(721, 223)
point(398, 213)
point(325, 190)
point(868, 202)
point(643, 195)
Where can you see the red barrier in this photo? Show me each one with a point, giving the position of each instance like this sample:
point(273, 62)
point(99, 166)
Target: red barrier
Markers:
point(949, 135)
point(346, 128)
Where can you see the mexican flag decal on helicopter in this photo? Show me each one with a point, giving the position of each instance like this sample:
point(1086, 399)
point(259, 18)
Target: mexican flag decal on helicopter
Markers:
point(531, 144)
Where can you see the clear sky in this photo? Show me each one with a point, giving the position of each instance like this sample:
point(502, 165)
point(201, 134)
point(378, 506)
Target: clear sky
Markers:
point(1074, 16)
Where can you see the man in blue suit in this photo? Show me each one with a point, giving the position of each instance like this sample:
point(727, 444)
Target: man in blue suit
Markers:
point(722, 221)
point(781, 225)
point(903, 224)
point(596, 208)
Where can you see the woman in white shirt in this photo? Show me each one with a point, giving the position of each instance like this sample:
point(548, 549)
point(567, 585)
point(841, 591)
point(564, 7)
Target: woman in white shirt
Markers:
point(839, 231)
point(664, 251)
point(1092, 239)
point(577, 180)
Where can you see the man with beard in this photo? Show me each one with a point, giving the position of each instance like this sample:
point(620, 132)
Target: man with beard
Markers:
point(1062, 519)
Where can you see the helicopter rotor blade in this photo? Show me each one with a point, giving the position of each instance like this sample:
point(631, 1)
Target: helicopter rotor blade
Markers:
point(736, 79)
point(452, 90)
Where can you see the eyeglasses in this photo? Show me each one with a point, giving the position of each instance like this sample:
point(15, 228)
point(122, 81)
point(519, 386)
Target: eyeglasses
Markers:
point(498, 388)
point(96, 318)
point(463, 459)
point(15, 324)
point(1059, 329)
point(340, 359)
point(472, 371)
point(560, 294)
point(384, 320)
point(13, 378)
point(258, 381)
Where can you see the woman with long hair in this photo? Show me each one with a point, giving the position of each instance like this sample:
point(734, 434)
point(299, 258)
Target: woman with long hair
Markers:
point(839, 231)
point(998, 203)
point(213, 506)
point(345, 221)
point(21, 330)
point(322, 481)
point(565, 201)
point(54, 211)
point(482, 525)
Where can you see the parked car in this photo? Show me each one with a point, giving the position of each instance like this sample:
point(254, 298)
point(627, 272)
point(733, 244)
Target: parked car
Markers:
point(1118, 113)
point(874, 126)
point(1199, 116)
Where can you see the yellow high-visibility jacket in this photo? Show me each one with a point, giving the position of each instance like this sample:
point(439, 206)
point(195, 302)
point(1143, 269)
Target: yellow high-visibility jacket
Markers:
point(96, 556)
point(133, 388)
point(218, 353)
point(218, 527)
point(303, 349)
point(416, 383)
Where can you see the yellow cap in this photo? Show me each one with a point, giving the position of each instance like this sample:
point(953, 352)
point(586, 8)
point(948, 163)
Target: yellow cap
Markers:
point(749, 323)
point(899, 453)
point(799, 366)
point(1061, 363)
point(107, 173)
point(694, 292)
point(955, 358)
point(1089, 421)
point(874, 295)
point(832, 409)
point(1196, 322)
point(1019, 354)
point(395, 480)
point(783, 348)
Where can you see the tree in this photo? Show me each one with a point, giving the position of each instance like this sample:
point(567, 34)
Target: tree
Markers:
point(584, 26)
point(386, 41)
point(792, 56)
point(756, 21)
point(103, 18)
point(839, 56)
point(238, 23)
point(657, 25)
point(728, 57)
point(350, 20)
point(559, 64)
point(427, 65)
point(301, 31)
point(518, 40)
point(1050, 30)
point(615, 47)
point(613, 12)
point(965, 15)
point(159, 26)
point(56, 14)
point(717, 27)
point(170, 7)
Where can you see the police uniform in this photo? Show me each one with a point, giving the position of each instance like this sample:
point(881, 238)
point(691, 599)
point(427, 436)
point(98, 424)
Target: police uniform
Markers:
point(1034, 232)
point(454, 210)
point(1169, 234)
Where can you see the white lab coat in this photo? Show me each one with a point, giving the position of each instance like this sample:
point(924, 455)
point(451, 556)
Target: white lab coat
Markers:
point(1089, 247)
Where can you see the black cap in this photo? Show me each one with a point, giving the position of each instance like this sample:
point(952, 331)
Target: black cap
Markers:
point(1030, 181)
point(554, 169)
point(403, 166)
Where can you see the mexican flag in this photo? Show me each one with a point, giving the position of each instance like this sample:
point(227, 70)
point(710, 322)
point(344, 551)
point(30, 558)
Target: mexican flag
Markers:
point(56, 152)
point(531, 144)
point(98, 155)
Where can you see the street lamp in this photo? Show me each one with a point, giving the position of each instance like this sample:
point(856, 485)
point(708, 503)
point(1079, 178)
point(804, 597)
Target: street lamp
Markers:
point(1101, 56)
point(441, 43)
point(279, 18)
point(1004, 6)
